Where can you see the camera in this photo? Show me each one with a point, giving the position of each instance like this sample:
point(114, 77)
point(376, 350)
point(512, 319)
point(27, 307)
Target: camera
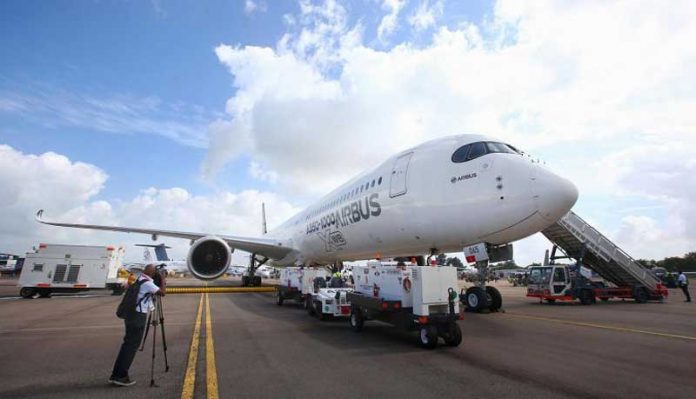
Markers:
point(160, 275)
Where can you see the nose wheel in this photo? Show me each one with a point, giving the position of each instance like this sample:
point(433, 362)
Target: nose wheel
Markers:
point(481, 297)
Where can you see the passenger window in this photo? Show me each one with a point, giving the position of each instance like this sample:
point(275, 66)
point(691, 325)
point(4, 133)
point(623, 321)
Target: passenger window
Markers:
point(460, 154)
point(373, 183)
point(477, 150)
point(379, 182)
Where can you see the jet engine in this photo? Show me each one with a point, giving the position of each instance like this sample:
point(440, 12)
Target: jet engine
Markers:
point(209, 257)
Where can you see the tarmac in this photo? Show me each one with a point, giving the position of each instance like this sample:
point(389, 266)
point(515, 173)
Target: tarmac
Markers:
point(242, 345)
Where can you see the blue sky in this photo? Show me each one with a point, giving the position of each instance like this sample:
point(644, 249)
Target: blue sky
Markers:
point(125, 51)
point(219, 105)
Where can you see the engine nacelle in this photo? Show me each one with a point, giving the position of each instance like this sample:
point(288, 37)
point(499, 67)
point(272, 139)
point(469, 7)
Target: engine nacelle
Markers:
point(209, 258)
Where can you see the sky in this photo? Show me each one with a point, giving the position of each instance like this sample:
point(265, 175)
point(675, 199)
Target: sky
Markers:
point(187, 115)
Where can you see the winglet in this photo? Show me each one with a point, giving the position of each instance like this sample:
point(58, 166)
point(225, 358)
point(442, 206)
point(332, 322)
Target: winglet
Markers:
point(38, 216)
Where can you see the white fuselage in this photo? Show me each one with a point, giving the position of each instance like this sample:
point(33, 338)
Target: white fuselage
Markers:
point(420, 200)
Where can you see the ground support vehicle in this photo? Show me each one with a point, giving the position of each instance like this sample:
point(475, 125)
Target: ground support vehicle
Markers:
point(579, 241)
point(330, 303)
point(421, 298)
point(559, 282)
point(298, 284)
point(71, 268)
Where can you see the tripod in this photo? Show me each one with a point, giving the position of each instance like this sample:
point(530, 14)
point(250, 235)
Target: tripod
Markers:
point(155, 318)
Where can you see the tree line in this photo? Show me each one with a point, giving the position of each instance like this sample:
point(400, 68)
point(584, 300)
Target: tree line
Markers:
point(686, 263)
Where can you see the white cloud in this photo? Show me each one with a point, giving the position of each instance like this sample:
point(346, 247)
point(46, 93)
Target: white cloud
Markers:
point(66, 190)
point(390, 21)
point(547, 76)
point(251, 6)
point(257, 171)
point(426, 14)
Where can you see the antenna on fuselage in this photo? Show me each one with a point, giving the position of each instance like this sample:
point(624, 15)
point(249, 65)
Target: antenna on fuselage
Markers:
point(263, 218)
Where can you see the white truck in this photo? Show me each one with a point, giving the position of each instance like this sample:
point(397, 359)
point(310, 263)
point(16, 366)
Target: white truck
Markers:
point(71, 268)
point(420, 298)
point(297, 283)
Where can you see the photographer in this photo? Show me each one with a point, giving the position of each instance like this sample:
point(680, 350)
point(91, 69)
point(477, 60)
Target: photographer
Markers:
point(151, 282)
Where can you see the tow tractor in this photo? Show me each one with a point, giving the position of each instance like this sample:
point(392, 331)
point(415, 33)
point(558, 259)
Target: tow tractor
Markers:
point(329, 302)
point(297, 283)
point(419, 298)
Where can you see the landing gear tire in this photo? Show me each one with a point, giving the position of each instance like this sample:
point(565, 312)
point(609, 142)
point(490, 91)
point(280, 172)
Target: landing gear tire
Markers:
point(641, 295)
point(476, 299)
point(43, 293)
point(279, 298)
point(356, 320)
point(245, 281)
point(496, 300)
point(27, 292)
point(307, 302)
point(454, 336)
point(428, 337)
point(586, 297)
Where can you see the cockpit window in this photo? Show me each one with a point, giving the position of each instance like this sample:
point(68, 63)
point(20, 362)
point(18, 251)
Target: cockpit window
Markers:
point(460, 154)
point(481, 148)
point(477, 150)
point(500, 147)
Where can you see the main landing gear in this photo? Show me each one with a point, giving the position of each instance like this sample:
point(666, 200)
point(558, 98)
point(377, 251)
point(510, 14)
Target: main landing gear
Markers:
point(252, 280)
point(481, 298)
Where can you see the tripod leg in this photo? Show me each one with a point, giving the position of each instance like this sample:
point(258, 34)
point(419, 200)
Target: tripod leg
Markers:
point(164, 337)
point(147, 330)
point(152, 364)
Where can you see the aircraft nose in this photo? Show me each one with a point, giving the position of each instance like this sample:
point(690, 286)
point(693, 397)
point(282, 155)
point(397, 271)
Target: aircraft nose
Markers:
point(554, 195)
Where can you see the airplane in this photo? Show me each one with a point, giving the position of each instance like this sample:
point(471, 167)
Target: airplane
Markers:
point(172, 266)
point(436, 197)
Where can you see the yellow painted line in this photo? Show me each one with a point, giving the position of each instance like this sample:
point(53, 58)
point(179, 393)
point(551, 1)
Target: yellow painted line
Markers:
point(601, 326)
point(217, 290)
point(210, 369)
point(190, 378)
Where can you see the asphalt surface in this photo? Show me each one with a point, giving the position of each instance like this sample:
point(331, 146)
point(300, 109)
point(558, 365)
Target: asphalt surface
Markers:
point(64, 347)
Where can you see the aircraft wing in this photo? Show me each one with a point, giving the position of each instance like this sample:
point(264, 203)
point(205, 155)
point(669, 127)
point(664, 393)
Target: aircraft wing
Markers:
point(267, 247)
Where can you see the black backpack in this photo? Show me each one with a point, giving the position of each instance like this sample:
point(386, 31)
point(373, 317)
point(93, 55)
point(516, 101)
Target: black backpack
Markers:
point(128, 304)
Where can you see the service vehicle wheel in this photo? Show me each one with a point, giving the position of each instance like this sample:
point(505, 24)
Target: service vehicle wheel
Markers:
point(309, 306)
point(318, 311)
point(44, 293)
point(245, 281)
point(356, 320)
point(256, 281)
point(604, 299)
point(550, 301)
point(641, 295)
point(476, 299)
point(27, 292)
point(496, 299)
point(454, 335)
point(428, 337)
point(279, 298)
point(586, 297)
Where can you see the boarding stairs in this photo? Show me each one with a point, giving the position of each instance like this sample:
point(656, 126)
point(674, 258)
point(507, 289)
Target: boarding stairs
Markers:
point(578, 239)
